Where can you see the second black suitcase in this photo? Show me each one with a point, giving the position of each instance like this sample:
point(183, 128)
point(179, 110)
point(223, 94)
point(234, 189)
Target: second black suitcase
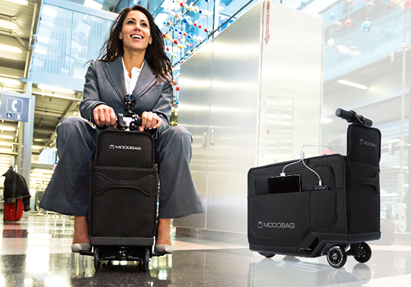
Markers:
point(312, 222)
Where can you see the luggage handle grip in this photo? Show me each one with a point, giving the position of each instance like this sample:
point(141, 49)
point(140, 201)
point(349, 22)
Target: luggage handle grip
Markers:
point(128, 123)
point(353, 117)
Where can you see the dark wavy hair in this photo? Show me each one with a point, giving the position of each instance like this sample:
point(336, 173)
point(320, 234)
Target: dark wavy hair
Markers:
point(155, 56)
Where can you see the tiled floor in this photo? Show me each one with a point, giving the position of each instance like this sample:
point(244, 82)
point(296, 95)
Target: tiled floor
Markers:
point(36, 252)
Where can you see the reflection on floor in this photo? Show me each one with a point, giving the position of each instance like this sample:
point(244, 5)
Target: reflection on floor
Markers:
point(36, 252)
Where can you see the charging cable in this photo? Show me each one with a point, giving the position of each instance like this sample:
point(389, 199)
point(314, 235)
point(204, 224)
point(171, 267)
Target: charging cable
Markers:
point(302, 160)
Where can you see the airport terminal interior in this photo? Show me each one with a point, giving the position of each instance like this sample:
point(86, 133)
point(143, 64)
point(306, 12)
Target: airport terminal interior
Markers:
point(257, 83)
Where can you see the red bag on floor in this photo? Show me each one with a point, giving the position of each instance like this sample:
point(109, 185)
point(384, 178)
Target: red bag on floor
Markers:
point(14, 211)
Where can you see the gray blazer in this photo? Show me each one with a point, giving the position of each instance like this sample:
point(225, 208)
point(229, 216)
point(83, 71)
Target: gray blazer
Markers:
point(105, 85)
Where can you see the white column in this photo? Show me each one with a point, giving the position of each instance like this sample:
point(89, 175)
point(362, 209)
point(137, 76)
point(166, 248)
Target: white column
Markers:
point(28, 140)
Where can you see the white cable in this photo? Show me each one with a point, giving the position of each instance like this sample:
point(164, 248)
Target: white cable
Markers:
point(302, 160)
point(319, 178)
point(283, 173)
point(317, 146)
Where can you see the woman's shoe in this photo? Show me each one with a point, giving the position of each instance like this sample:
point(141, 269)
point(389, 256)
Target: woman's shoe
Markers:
point(163, 249)
point(76, 248)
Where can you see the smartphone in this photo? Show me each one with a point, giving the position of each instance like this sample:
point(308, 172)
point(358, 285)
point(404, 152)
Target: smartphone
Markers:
point(284, 184)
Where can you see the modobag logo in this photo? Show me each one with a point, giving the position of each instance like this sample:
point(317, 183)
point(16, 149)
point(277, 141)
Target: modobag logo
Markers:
point(370, 144)
point(124, 147)
point(275, 224)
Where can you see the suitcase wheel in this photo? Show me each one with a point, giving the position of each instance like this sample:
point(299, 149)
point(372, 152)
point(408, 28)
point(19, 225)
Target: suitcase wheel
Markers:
point(97, 261)
point(146, 259)
point(266, 254)
point(336, 256)
point(364, 253)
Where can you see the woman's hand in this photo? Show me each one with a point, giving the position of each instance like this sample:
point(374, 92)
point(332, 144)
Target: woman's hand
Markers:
point(150, 120)
point(104, 116)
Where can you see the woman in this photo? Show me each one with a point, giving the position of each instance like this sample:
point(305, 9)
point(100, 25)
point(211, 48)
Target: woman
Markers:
point(132, 76)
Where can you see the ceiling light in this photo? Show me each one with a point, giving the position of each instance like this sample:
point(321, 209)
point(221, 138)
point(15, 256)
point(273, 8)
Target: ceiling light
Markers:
point(39, 174)
point(46, 23)
point(10, 81)
point(22, 2)
point(6, 144)
point(93, 4)
point(55, 89)
point(5, 150)
point(4, 160)
point(8, 25)
point(351, 84)
point(5, 128)
point(40, 50)
point(10, 49)
point(37, 147)
point(43, 39)
point(6, 137)
point(39, 170)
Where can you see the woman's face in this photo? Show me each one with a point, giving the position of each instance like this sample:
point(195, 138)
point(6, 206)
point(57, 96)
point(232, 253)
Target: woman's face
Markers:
point(135, 32)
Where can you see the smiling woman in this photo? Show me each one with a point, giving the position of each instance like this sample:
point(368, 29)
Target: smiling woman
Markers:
point(139, 22)
point(135, 34)
point(132, 77)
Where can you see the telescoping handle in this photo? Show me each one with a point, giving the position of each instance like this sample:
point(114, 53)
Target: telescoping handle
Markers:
point(128, 123)
point(353, 117)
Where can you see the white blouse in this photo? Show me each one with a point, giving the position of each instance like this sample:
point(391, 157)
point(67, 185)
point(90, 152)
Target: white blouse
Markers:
point(131, 83)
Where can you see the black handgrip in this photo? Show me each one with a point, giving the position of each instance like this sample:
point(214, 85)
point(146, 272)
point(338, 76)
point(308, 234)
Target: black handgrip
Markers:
point(353, 117)
point(135, 123)
point(120, 123)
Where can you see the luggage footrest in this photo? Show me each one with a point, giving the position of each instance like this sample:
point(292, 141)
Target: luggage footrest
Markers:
point(122, 241)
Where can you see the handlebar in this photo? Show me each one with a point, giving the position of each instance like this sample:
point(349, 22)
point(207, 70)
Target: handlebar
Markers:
point(128, 123)
point(353, 117)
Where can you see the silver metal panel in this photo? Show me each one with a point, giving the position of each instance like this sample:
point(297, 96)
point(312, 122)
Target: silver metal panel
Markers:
point(233, 121)
point(257, 99)
point(194, 114)
point(276, 128)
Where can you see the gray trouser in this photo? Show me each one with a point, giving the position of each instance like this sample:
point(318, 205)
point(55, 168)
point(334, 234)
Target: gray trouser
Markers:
point(68, 190)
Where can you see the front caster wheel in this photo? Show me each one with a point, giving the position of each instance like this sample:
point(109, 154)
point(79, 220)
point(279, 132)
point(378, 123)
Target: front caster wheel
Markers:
point(97, 261)
point(266, 254)
point(364, 253)
point(336, 256)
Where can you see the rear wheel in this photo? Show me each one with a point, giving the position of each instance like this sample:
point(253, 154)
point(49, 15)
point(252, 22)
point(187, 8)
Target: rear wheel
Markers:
point(336, 256)
point(146, 260)
point(97, 261)
point(266, 254)
point(364, 253)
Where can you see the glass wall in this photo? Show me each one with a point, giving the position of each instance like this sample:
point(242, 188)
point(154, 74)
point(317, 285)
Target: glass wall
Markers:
point(67, 40)
point(364, 46)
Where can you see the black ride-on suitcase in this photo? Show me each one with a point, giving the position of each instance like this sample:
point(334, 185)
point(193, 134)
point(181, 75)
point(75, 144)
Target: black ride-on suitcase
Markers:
point(335, 220)
point(123, 197)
